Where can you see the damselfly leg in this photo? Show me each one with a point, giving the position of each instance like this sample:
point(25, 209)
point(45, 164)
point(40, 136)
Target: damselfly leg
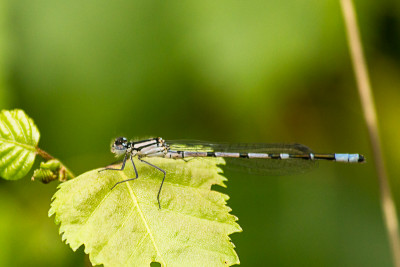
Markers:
point(162, 182)
point(121, 169)
point(137, 175)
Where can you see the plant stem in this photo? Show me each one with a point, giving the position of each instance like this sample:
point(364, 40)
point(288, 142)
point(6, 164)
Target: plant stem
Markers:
point(46, 156)
point(367, 102)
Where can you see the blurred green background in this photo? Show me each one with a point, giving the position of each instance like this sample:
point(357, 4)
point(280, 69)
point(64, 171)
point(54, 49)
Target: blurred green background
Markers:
point(236, 71)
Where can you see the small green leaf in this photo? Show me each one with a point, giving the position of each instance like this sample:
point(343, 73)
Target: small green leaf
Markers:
point(125, 227)
point(18, 140)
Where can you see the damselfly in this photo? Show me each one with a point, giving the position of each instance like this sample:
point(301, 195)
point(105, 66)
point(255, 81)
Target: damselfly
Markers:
point(257, 158)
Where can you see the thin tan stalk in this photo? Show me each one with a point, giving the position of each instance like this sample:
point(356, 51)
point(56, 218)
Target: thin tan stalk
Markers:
point(44, 154)
point(368, 106)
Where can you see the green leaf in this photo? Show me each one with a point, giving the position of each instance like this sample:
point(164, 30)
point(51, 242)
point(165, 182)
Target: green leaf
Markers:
point(125, 227)
point(18, 140)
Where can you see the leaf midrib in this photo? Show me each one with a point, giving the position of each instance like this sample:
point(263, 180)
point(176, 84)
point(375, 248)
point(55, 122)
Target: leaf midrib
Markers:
point(134, 198)
point(26, 146)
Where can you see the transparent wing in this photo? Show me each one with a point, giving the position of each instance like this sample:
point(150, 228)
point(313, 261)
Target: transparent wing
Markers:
point(253, 166)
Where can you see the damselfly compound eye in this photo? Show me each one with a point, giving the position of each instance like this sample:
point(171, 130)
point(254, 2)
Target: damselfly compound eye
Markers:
point(119, 146)
point(121, 141)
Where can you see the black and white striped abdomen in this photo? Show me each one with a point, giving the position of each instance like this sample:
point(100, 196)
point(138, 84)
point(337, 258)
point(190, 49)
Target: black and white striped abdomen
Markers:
point(257, 158)
point(352, 158)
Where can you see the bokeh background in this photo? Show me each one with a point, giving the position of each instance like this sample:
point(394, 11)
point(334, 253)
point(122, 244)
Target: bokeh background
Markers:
point(236, 71)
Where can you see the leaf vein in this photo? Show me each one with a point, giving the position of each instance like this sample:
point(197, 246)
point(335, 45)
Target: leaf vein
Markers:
point(134, 198)
point(206, 219)
point(118, 229)
point(5, 120)
point(24, 133)
point(94, 211)
point(137, 247)
point(26, 146)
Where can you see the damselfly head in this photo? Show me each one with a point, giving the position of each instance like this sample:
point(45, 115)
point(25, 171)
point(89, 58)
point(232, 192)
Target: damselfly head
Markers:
point(119, 146)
